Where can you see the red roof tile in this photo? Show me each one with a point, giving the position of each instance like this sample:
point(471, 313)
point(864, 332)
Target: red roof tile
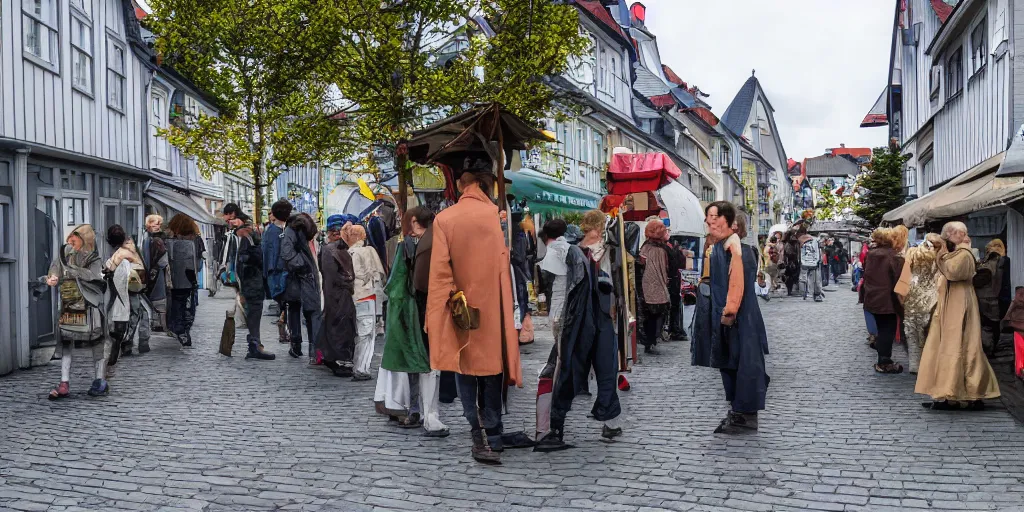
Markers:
point(942, 10)
point(854, 152)
point(663, 100)
point(708, 116)
point(599, 11)
point(672, 76)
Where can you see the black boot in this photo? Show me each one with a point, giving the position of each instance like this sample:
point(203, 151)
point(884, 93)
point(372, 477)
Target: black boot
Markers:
point(482, 452)
point(256, 351)
point(143, 346)
point(552, 441)
point(738, 423)
point(295, 350)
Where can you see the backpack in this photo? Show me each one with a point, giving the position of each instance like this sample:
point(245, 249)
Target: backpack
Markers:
point(182, 263)
point(273, 269)
point(810, 254)
point(984, 277)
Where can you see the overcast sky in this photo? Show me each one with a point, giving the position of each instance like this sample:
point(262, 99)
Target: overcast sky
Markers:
point(822, 63)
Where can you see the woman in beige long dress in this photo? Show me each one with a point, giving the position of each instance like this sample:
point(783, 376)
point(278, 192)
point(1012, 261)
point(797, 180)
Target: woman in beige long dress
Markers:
point(954, 370)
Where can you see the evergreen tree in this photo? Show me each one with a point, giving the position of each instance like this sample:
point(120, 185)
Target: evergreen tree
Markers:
point(882, 184)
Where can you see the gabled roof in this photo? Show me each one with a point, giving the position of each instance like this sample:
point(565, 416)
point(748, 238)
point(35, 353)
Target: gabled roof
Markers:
point(829, 166)
point(663, 100)
point(877, 116)
point(738, 113)
point(599, 13)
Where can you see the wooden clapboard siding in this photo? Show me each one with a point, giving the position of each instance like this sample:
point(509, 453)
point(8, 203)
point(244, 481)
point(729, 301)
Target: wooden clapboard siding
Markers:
point(974, 125)
point(40, 106)
point(916, 69)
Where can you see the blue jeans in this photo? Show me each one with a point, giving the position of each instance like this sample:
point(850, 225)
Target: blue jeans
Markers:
point(481, 402)
point(869, 319)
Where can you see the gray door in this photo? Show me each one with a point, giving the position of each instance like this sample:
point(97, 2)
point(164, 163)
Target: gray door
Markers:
point(7, 338)
point(42, 249)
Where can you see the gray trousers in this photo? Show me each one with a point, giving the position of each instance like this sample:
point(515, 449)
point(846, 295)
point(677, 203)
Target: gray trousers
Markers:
point(810, 280)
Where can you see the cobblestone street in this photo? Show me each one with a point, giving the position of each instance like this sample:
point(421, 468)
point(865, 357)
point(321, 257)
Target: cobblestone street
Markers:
point(195, 430)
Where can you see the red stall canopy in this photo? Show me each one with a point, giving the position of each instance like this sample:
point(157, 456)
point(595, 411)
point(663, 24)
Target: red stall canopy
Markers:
point(640, 172)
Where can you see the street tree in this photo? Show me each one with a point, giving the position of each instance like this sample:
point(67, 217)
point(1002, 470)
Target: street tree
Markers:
point(388, 64)
point(832, 206)
point(263, 62)
point(882, 184)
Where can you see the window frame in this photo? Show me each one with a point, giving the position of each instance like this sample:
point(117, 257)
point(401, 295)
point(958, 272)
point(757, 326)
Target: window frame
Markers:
point(979, 46)
point(77, 16)
point(50, 28)
point(114, 42)
point(157, 142)
point(954, 74)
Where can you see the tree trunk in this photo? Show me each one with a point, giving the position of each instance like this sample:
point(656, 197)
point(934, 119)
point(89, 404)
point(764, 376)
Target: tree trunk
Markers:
point(257, 183)
point(401, 159)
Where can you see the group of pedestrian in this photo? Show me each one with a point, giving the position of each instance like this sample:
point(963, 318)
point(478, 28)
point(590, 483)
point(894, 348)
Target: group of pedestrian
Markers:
point(943, 304)
point(451, 292)
point(103, 304)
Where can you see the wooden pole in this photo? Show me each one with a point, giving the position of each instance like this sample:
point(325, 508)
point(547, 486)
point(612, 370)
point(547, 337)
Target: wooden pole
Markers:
point(628, 349)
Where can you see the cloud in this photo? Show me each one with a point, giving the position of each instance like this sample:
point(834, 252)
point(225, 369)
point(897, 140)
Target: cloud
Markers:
point(822, 63)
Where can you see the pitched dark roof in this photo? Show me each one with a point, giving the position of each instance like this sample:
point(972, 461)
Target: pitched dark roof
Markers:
point(829, 166)
point(738, 113)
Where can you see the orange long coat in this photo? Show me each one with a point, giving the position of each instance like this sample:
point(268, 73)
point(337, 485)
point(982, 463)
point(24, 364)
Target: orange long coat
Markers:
point(470, 255)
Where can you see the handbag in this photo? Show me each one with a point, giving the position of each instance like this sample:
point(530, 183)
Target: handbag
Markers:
point(466, 317)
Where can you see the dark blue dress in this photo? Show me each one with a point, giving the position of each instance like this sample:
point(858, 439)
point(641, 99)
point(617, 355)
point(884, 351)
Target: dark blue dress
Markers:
point(737, 351)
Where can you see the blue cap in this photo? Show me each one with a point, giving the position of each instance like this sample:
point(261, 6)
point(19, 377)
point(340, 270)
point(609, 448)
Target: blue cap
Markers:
point(336, 221)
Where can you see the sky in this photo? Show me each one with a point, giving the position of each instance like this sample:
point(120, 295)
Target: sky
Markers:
point(822, 63)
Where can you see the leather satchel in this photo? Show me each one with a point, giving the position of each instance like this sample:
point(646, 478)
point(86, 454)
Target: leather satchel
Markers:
point(466, 317)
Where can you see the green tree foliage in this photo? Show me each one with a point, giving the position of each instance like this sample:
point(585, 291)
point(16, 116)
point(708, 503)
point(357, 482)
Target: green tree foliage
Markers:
point(262, 60)
point(830, 206)
point(882, 185)
point(388, 64)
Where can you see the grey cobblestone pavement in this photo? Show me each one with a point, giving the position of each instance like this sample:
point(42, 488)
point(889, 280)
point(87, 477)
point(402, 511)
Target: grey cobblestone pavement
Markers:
point(195, 430)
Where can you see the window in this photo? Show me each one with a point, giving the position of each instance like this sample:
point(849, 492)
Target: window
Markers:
point(116, 63)
point(81, 54)
point(934, 79)
point(979, 46)
point(76, 212)
point(910, 181)
point(111, 187)
point(159, 144)
point(725, 159)
point(133, 191)
point(72, 180)
point(83, 6)
point(5, 225)
point(131, 221)
point(927, 170)
point(955, 72)
point(39, 24)
point(602, 75)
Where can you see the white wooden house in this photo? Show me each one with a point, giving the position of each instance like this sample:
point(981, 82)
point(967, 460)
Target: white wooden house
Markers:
point(77, 90)
point(950, 104)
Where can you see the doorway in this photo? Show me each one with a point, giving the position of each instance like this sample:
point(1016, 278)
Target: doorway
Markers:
point(42, 249)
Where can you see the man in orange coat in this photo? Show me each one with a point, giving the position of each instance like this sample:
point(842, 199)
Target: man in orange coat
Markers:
point(470, 256)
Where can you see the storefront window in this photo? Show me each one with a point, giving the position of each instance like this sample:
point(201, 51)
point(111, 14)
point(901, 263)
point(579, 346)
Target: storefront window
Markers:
point(72, 180)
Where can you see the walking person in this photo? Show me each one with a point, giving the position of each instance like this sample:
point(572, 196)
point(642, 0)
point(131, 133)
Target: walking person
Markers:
point(469, 309)
point(791, 259)
point(154, 257)
point(184, 252)
point(810, 265)
point(78, 272)
point(921, 297)
point(954, 371)
point(772, 258)
point(337, 339)
point(825, 244)
point(882, 269)
point(369, 276)
point(553, 265)
point(274, 270)
point(654, 258)
point(992, 286)
point(131, 279)
point(729, 332)
point(249, 272)
point(302, 290)
point(587, 339)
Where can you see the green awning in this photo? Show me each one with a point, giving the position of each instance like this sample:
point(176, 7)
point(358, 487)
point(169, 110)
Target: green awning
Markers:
point(544, 195)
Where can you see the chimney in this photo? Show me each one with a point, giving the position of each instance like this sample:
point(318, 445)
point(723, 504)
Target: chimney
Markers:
point(638, 13)
point(842, 145)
